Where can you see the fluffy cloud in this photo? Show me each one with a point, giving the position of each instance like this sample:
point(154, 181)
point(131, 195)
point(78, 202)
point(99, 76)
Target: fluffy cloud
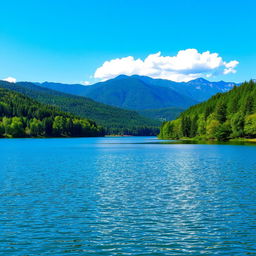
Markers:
point(186, 65)
point(10, 79)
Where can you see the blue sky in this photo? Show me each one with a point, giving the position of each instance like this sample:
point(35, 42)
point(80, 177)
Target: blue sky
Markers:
point(66, 41)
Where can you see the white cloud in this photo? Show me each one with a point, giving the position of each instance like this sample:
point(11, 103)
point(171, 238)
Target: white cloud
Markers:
point(230, 67)
point(186, 65)
point(85, 83)
point(10, 79)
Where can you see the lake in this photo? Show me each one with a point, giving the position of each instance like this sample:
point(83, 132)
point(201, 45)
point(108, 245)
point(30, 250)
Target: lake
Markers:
point(126, 196)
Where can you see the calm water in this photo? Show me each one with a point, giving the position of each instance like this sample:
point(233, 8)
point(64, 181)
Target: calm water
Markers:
point(115, 196)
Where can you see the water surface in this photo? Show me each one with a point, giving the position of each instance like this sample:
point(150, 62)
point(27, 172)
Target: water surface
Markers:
point(126, 196)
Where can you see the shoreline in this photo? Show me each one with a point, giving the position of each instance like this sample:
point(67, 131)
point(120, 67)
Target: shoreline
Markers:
point(237, 141)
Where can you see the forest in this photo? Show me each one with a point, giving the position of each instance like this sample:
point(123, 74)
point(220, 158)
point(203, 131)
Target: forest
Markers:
point(115, 120)
point(223, 117)
point(21, 116)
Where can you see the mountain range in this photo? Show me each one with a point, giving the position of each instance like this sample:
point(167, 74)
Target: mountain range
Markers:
point(141, 92)
point(125, 104)
point(154, 98)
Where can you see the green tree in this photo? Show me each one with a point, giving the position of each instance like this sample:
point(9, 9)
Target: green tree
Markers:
point(185, 126)
point(221, 112)
point(47, 124)
point(16, 128)
point(193, 127)
point(222, 132)
point(58, 126)
point(36, 127)
point(2, 130)
point(211, 128)
point(250, 125)
point(249, 105)
point(237, 124)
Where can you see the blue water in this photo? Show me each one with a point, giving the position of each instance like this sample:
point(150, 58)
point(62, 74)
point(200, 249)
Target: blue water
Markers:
point(126, 196)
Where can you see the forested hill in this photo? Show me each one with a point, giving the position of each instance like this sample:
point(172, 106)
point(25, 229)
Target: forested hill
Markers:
point(224, 116)
point(21, 116)
point(114, 120)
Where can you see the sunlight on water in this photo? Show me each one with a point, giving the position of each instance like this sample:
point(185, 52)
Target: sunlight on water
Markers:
point(120, 196)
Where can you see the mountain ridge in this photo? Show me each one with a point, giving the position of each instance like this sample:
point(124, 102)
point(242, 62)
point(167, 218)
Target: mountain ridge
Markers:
point(141, 92)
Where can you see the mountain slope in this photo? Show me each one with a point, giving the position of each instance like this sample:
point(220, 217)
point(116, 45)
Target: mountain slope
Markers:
point(129, 93)
point(133, 93)
point(141, 92)
point(74, 89)
point(162, 114)
point(199, 89)
point(114, 120)
point(21, 116)
point(224, 116)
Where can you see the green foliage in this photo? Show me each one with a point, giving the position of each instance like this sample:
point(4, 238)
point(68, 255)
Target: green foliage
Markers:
point(21, 116)
point(222, 132)
point(250, 125)
point(36, 128)
point(2, 129)
point(224, 116)
point(185, 126)
point(113, 119)
point(237, 124)
point(162, 114)
point(221, 112)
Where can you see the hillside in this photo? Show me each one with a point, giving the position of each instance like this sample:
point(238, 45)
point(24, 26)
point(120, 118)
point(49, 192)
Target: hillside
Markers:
point(162, 114)
point(141, 92)
point(224, 116)
point(114, 120)
point(21, 116)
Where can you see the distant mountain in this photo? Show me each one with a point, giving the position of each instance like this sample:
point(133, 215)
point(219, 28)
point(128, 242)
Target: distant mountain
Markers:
point(129, 93)
point(142, 93)
point(198, 89)
point(203, 89)
point(113, 119)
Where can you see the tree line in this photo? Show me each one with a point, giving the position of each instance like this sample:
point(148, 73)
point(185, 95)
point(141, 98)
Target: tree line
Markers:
point(114, 120)
point(21, 116)
point(225, 116)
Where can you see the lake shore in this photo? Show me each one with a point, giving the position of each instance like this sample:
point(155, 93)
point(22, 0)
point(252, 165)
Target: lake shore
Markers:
point(238, 141)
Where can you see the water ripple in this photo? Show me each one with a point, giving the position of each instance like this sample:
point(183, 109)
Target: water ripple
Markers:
point(100, 196)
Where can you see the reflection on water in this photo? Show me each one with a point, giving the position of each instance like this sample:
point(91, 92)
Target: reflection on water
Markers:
point(126, 196)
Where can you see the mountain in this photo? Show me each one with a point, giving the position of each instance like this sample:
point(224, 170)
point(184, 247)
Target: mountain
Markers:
point(198, 89)
point(114, 120)
point(225, 116)
point(141, 92)
point(21, 116)
point(203, 89)
point(128, 93)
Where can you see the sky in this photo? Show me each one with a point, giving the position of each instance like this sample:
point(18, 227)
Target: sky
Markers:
point(85, 41)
